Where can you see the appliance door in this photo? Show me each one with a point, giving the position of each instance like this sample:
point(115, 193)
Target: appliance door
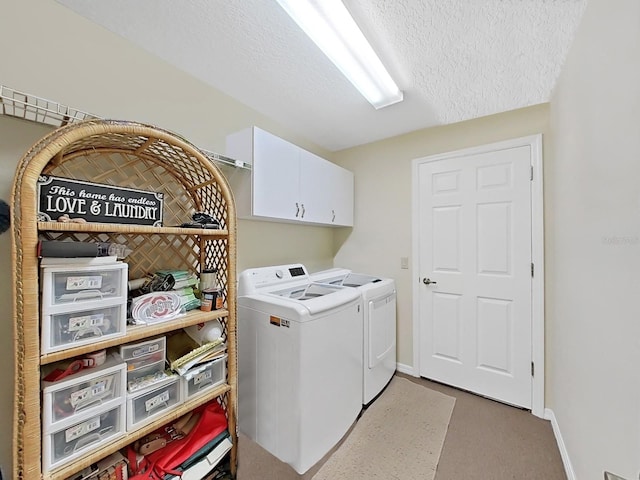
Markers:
point(381, 331)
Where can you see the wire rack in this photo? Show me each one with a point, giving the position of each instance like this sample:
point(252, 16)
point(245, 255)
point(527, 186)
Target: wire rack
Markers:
point(37, 109)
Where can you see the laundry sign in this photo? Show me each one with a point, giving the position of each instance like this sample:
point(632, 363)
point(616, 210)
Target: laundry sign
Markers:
point(96, 202)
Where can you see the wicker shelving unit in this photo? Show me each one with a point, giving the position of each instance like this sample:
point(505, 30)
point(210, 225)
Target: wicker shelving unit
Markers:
point(131, 155)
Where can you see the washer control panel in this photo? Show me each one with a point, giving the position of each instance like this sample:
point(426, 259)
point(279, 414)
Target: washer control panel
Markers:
point(255, 279)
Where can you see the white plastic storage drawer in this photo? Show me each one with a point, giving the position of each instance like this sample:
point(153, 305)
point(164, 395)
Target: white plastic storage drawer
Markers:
point(146, 376)
point(86, 435)
point(83, 393)
point(138, 354)
point(204, 377)
point(73, 284)
point(145, 406)
point(74, 328)
point(145, 362)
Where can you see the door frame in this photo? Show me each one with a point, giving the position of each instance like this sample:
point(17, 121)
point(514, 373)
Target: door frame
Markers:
point(537, 255)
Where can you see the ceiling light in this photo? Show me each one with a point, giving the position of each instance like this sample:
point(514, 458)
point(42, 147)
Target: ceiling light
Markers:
point(331, 27)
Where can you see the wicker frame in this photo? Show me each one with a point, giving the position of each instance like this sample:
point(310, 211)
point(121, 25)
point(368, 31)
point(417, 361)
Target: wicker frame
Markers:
point(132, 155)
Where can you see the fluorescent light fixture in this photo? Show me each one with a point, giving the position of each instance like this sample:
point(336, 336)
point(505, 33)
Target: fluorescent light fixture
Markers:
point(329, 24)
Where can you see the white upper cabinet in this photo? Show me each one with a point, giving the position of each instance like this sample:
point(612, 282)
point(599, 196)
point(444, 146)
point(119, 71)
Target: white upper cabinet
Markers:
point(342, 202)
point(275, 172)
point(288, 183)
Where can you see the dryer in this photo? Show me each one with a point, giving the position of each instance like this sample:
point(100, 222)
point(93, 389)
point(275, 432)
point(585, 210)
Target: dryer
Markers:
point(379, 325)
point(299, 362)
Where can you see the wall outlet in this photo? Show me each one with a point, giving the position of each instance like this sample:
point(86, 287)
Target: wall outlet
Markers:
point(404, 262)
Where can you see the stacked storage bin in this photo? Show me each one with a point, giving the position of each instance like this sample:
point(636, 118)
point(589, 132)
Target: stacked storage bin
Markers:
point(81, 304)
point(83, 411)
point(151, 391)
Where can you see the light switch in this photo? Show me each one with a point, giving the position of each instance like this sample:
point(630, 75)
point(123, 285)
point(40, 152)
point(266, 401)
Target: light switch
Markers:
point(404, 262)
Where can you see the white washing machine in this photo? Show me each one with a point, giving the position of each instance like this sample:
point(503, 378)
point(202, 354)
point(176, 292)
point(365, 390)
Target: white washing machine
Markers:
point(379, 328)
point(299, 362)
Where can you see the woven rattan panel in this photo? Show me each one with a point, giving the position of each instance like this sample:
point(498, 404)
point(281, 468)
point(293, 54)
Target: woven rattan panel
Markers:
point(130, 155)
point(158, 167)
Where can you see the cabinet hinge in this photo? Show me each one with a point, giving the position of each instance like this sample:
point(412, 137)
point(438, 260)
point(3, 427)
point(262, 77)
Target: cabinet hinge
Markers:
point(533, 369)
point(532, 270)
point(532, 172)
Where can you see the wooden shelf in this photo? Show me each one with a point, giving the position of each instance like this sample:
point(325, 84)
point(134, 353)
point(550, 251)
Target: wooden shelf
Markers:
point(68, 470)
point(121, 228)
point(136, 332)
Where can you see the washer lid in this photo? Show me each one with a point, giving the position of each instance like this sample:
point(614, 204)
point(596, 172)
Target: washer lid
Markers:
point(316, 297)
point(307, 292)
point(334, 276)
point(359, 279)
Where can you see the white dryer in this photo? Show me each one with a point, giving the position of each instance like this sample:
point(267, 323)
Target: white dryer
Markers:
point(379, 326)
point(299, 362)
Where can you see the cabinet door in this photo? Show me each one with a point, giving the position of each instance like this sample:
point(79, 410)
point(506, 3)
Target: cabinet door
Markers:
point(341, 198)
point(315, 188)
point(275, 177)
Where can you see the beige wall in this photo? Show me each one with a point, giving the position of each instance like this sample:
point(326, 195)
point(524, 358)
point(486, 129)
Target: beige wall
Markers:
point(14, 136)
point(54, 53)
point(593, 232)
point(382, 230)
point(592, 201)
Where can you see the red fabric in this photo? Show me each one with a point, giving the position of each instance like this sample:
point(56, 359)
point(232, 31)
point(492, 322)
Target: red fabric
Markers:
point(154, 466)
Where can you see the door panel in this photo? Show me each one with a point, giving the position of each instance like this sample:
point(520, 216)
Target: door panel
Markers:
point(446, 327)
point(446, 239)
point(495, 336)
point(275, 177)
point(494, 239)
point(475, 245)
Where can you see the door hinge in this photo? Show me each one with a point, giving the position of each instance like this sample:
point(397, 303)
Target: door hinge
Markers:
point(532, 172)
point(532, 270)
point(533, 369)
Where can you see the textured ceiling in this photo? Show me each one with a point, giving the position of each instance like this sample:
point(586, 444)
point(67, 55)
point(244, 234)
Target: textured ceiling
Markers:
point(454, 59)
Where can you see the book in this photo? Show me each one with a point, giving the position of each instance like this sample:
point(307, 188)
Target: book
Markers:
point(108, 260)
point(64, 249)
point(184, 353)
point(200, 464)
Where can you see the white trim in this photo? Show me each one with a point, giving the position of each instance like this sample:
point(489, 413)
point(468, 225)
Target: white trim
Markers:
point(568, 468)
point(407, 369)
point(537, 255)
point(537, 285)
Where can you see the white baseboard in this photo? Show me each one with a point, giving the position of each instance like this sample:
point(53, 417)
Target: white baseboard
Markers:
point(407, 369)
point(549, 415)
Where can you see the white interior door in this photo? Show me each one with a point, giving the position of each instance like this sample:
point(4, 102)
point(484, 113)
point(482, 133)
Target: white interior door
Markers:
point(474, 247)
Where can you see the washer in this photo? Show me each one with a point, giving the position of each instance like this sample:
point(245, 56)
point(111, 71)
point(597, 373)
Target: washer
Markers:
point(379, 329)
point(299, 362)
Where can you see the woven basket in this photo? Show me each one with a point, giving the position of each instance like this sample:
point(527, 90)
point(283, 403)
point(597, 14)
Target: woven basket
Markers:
point(131, 155)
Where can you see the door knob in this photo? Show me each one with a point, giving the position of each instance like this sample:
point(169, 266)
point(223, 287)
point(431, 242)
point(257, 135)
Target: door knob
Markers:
point(427, 281)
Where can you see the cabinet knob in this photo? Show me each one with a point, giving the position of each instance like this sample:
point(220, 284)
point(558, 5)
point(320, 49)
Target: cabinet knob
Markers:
point(302, 205)
point(333, 213)
point(297, 209)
